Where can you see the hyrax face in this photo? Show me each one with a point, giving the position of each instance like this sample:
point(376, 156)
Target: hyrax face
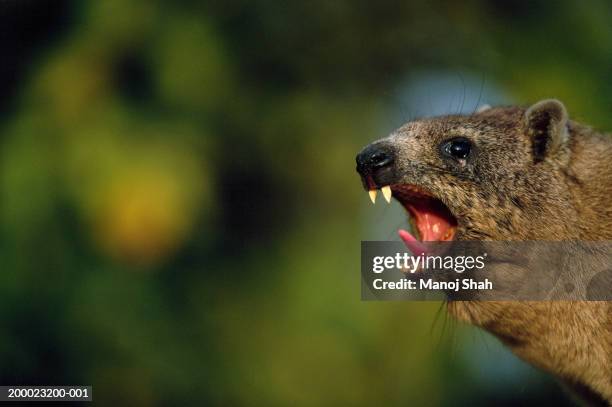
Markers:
point(493, 175)
point(505, 174)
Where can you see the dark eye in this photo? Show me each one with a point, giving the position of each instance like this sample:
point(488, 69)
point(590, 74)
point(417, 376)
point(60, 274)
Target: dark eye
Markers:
point(457, 148)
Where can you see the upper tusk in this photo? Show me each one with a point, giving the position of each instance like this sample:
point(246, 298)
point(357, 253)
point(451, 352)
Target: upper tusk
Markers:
point(372, 193)
point(386, 190)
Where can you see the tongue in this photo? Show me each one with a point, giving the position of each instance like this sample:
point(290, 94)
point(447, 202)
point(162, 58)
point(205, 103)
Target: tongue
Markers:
point(432, 222)
point(433, 225)
point(412, 243)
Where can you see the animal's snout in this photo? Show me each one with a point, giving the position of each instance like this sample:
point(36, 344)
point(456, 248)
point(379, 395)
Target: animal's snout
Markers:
point(374, 157)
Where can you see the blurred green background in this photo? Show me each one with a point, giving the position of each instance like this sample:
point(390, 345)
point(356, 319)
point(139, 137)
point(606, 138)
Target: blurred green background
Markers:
point(180, 214)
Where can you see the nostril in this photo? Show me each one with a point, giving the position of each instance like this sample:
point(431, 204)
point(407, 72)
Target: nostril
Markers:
point(380, 159)
point(373, 158)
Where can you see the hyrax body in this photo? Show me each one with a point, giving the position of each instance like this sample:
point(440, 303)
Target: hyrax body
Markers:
point(512, 173)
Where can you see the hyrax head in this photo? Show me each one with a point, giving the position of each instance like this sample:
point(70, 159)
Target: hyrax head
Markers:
point(496, 174)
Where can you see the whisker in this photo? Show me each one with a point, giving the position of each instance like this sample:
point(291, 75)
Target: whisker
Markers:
point(482, 83)
point(464, 92)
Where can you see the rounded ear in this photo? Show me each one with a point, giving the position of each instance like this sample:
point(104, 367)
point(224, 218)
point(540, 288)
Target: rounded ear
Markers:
point(546, 125)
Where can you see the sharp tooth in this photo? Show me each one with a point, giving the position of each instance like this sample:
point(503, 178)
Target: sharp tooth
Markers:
point(372, 193)
point(386, 190)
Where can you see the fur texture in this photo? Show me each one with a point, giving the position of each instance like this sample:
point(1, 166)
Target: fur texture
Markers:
point(532, 175)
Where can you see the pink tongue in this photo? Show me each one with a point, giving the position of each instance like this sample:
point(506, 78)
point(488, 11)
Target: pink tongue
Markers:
point(431, 224)
point(412, 243)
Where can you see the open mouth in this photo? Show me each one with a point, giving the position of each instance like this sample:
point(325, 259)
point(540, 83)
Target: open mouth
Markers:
point(430, 217)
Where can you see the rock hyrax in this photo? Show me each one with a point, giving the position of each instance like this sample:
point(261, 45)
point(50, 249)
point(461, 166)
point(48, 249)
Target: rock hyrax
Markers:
point(511, 173)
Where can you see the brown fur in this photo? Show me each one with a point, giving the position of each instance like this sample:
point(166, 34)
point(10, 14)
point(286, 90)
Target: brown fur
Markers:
point(532, 175)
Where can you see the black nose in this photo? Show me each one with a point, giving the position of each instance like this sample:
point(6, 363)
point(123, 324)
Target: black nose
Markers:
point(372, 158)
